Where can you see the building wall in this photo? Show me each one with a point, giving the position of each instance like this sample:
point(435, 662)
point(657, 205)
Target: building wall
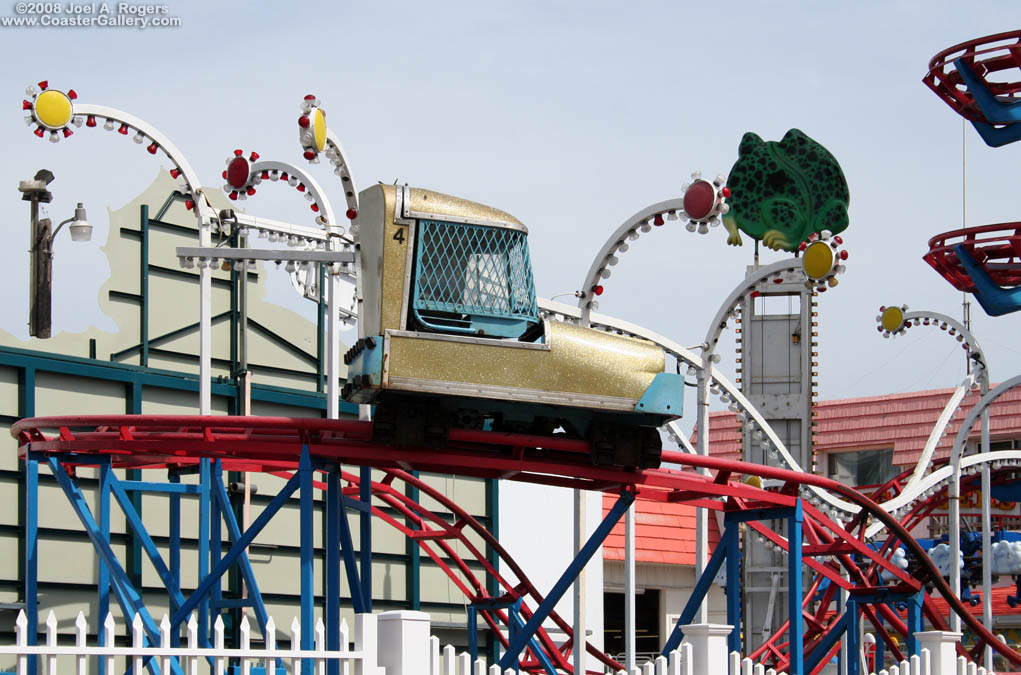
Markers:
point(149, 365)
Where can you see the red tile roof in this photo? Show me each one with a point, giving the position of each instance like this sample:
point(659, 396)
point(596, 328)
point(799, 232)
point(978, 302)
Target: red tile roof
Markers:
point(903, 421)
point(665, 533)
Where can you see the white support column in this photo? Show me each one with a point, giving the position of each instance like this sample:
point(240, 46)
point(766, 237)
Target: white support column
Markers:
point(333, 345)
point(403, 647)
point(954, 516)
point(942, 646)
point(702, 447)
point(629, 588)
point(708, 646)
point(205, 324)
point(579, 584)
point(987, 554)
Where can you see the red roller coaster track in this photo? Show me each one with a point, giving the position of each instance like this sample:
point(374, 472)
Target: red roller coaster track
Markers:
point(273, 445)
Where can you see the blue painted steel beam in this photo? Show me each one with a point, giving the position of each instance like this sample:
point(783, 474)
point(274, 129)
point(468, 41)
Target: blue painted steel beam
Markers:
point(914, 621)
point(216, 536)
point(249, 535)
point(826, 644)
point(365, 536)
point(853, 633)
point(234, 534)
point(105, 475)
point(174, 529)
point(514, 616)
point(795, 628)
point(307, 552)
point(510, 658)
point(128, 597)
point(160, 488)
point(347, 549)
point(730, 541)
point(698, 594)
point(203, 546)
point(332, 545)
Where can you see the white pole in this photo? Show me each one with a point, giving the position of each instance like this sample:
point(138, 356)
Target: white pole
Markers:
point(987, 555)
point(955, 539)
point(629, 588)
point(333, 345)
point(205, 322)
point(702, 448)
point(579, 584)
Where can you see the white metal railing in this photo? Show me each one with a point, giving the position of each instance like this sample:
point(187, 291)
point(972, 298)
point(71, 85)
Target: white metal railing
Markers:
point(215, 659)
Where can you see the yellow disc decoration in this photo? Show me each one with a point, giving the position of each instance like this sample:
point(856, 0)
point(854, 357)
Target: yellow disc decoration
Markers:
point(893, 319)
point(818, 260)
point(53, 109)
point(319, 129)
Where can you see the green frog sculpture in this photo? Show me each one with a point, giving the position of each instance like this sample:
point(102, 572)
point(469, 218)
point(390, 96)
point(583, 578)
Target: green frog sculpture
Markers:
point(782, 192)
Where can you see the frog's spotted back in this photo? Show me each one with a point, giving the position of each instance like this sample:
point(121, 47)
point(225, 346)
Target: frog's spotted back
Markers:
point(781, 192)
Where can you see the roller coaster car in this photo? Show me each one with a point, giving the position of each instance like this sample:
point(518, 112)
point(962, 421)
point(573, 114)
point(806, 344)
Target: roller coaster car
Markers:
point(454, 339)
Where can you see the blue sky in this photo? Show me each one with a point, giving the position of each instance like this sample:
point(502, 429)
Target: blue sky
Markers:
point(571, 116)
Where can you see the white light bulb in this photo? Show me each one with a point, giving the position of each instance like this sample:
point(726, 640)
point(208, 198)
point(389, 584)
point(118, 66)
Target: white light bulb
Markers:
point(274, 175)
point(290, 267)
point(54, 137)
point(612, 260)
point(646, 227)
point(227, 189)
point(139, 137)
point(31, 90)
point(672, 215)
point(292, 181)
point(78, 121)
point(690, 226)
point(622, 247)
point(108, 125)
point(703, 228)
point(604, 273)
point(29, 120)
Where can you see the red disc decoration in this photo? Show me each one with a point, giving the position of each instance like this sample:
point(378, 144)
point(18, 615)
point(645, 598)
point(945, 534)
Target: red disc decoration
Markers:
point(699, 199)
point(237, 172)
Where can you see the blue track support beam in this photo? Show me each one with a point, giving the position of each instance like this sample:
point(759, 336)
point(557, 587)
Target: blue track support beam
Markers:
point(200, 593)
point(306, 501)
point(174, 529)
point(203, 546)
point(514, 615)
point(32, 554)
point(128, 597)
point(347, 548)
point(510, 658)
point(215, 534)
point(696, 598)
point(996, 301)
point(826, 644)
point(247, 573)
point(332, 585)
point(915, 621)
point(730, 539)
point(880, 656)
point(796, 634)
point(365, 536)
point(473, 633)
point(853, 632)
point(105, 475)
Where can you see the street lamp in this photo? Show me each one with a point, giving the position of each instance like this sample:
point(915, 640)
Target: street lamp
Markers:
point(35, 191)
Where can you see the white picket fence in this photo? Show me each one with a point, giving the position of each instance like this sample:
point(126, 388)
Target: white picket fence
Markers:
point(921, 665)
point(190, 658)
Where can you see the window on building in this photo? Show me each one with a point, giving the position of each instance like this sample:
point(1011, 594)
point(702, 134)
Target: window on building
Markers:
point(864, 467)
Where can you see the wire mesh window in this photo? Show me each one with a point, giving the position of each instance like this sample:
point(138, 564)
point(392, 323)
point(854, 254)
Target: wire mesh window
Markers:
point(474, 270)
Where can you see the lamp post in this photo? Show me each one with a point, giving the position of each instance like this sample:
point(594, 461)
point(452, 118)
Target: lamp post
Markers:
point(34, 191)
